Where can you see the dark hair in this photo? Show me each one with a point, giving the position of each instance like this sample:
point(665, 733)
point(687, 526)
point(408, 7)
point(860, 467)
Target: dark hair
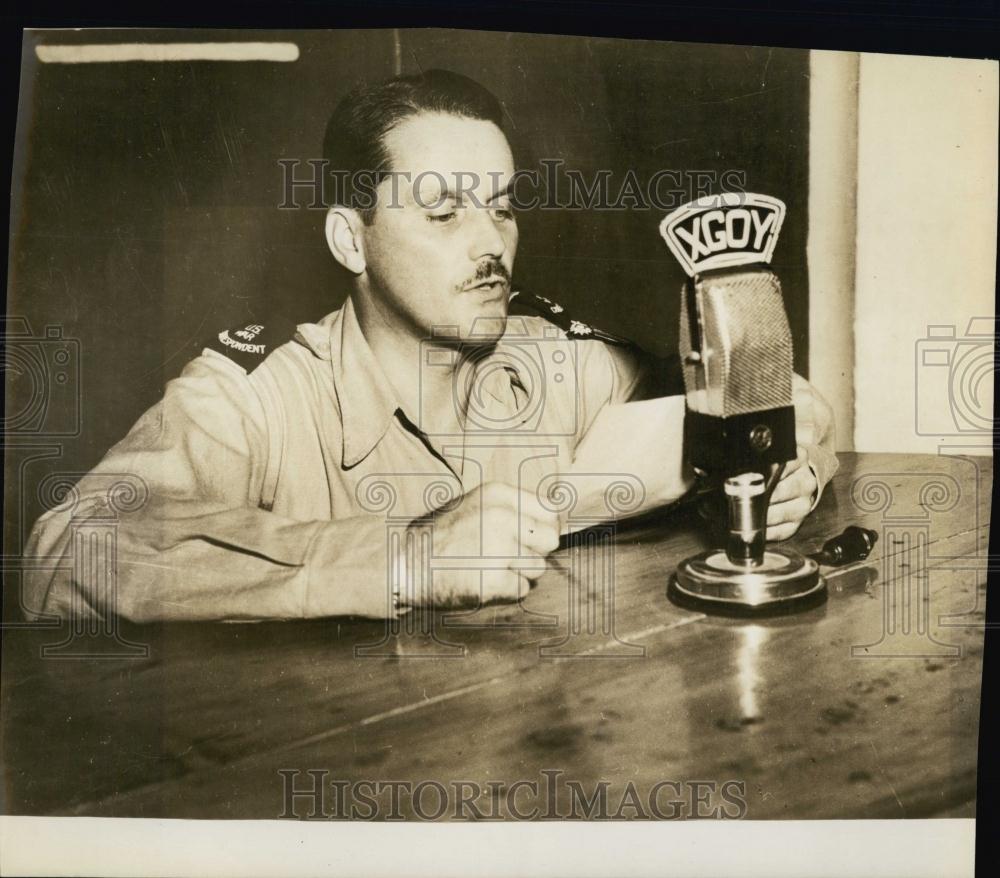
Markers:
point(354, 144)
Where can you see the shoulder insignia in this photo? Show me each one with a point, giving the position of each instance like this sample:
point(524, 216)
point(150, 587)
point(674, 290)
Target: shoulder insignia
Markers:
point(249, 345)
point(527, 303)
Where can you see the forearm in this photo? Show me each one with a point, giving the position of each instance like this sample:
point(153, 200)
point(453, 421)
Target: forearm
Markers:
point(814, 424)
point(192, 541)
point(177, 563)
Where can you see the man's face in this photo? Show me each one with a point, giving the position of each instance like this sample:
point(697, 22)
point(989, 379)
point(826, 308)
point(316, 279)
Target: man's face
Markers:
point(440, 251)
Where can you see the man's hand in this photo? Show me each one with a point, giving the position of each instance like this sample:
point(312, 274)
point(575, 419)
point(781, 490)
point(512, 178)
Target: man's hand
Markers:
point(792, 498)
point(501, 529)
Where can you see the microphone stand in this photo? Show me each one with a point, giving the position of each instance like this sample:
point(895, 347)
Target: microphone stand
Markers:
point(748, 576)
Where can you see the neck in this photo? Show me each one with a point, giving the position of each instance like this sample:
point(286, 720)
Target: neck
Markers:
point(421, 373)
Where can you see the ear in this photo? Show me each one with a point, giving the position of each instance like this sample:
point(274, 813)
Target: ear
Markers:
point(343, 237)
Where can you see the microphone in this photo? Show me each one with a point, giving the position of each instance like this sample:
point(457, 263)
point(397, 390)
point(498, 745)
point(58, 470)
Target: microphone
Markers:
point(735, 343)
point(736, 357)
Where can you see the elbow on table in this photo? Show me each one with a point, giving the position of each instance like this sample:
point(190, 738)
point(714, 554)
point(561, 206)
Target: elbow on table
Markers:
point(46, 594)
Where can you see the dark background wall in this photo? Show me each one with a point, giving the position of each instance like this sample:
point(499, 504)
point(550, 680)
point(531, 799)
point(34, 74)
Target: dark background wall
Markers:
point(145, 197)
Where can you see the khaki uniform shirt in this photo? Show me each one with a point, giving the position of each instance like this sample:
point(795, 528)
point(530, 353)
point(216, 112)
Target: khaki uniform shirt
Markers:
point(276, 493)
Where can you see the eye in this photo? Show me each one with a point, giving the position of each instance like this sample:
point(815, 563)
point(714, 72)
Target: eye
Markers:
point(444, 212)
point(502, 214)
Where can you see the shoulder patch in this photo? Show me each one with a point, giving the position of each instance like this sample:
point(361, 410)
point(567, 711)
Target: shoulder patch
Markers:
point(249, 345)
point(527, 303)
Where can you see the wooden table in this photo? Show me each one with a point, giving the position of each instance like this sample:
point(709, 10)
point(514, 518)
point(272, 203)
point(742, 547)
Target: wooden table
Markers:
point(826, 713)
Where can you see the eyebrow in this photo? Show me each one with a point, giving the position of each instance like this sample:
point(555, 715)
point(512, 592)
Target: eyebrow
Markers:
point(507, 191)
point(449, 193)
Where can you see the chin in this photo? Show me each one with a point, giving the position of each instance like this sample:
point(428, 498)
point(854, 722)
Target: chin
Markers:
point(485, 324)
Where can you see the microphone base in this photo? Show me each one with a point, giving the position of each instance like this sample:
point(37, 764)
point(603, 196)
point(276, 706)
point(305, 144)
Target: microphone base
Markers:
point(784, 580)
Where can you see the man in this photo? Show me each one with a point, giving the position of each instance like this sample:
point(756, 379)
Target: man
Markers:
point(270, 480)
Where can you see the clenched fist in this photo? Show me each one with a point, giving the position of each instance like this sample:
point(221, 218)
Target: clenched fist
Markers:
point(496, 535)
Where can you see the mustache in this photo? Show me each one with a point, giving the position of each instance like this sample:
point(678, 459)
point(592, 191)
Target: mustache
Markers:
point(489, 270)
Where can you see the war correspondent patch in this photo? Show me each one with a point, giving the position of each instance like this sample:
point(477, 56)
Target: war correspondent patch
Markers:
point(247, 346)
point(249, 333)
point(721, 231)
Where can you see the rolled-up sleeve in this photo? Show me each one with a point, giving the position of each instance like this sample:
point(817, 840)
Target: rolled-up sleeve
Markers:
point(619, 375)
point(195, 544)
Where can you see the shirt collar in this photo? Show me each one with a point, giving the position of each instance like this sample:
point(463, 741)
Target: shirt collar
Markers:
point(499, 379)
point(367, 401)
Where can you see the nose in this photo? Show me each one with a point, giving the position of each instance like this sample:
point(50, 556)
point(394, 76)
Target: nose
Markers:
point(487, 238)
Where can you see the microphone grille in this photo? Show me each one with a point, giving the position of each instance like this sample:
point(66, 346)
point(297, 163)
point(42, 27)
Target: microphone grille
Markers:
point(746, 346)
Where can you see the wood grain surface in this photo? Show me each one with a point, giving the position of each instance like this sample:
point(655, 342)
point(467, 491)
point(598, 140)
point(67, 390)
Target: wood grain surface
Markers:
point(864, 706)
